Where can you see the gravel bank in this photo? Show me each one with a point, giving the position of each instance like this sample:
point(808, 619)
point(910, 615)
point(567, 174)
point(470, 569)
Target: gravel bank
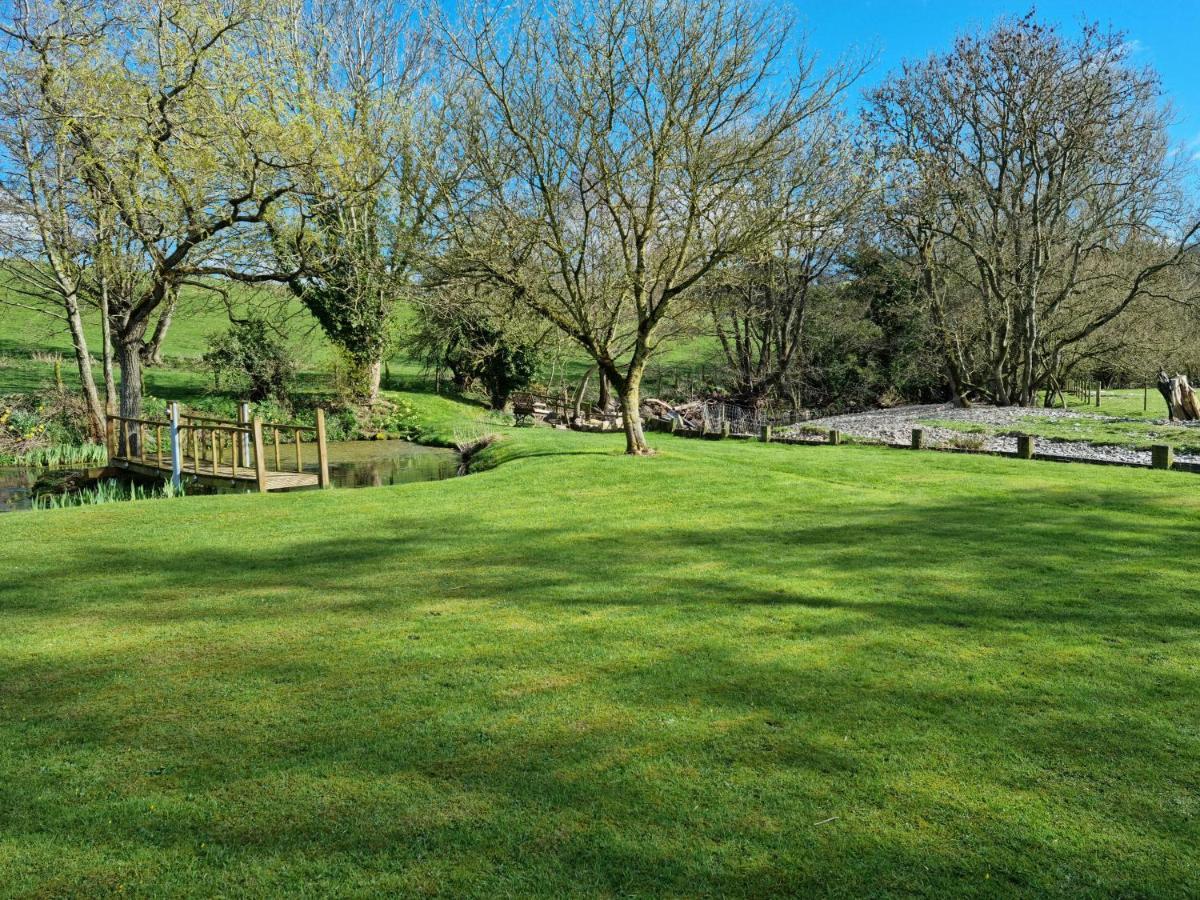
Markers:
point(894, 426)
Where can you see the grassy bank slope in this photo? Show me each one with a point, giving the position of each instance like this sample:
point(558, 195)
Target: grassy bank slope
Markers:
point(730, 669)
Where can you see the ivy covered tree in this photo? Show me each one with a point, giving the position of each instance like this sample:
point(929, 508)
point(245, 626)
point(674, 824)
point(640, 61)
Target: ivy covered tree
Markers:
point(349, 239)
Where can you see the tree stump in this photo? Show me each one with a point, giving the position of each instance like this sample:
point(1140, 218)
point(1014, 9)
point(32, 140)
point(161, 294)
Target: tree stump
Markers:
point(1181, 399)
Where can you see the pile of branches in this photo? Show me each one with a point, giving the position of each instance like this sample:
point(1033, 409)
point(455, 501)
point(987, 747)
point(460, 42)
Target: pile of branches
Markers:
point(712, 416)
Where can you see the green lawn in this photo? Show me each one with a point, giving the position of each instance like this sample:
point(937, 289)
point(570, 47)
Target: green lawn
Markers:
point(1126, 403)
point(731, 669)
point(28, 343)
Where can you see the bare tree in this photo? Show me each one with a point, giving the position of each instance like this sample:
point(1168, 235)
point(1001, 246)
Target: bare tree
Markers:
point(620, 151)
point(1026, 172)
point(759, 302)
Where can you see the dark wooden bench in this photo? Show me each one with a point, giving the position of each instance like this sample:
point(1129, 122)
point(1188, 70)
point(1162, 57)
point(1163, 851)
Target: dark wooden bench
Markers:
point(524, 406)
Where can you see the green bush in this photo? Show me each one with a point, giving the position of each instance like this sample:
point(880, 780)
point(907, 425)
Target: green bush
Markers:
point(251, 358)
point(46, 431)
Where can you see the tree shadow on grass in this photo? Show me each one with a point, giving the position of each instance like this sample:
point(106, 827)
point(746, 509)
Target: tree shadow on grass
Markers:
point(975, 686)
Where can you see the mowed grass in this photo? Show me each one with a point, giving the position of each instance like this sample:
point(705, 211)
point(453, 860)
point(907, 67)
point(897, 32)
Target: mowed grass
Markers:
point(730, 669)
point(1125, 403)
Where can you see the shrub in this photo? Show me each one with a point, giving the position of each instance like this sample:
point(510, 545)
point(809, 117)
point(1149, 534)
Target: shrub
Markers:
point(391, 419)
point(253, 359)
point(487, 349)
point(45, 431)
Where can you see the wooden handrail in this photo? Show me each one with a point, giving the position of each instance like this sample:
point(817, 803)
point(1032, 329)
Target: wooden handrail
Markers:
point(235, 429)
point(196, 418)
point(138, 421)
point(290, 426)
point(209, 436)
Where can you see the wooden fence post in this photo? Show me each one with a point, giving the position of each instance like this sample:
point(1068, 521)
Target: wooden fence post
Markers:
point(1162, 456)
point(835, 436)
point(918, 438)
point(176, 449)
point(1025, 446)
point(765, 436)
point(322, 456)
point(724, 429)
point(110, 430)
point(260, 462)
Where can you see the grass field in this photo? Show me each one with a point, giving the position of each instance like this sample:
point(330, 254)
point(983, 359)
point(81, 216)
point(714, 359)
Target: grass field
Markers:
point(730, 669)
point(28, 343)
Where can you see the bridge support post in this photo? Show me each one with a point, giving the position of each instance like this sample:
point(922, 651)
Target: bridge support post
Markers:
point(322, 454)
point(260, 461)
point(176, 450)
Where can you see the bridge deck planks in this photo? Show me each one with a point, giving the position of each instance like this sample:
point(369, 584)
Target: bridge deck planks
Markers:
point(276, 481)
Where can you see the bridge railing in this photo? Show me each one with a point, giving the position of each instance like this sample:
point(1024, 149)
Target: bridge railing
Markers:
point(206, 445)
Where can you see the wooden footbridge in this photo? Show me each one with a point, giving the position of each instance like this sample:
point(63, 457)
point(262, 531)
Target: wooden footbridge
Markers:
point(263, 456)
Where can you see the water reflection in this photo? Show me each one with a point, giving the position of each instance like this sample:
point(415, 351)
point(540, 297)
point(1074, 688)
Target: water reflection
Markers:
point(378, 463)
point(16, 487)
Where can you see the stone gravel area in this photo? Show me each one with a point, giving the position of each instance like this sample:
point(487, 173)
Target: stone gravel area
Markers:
point(894, 426)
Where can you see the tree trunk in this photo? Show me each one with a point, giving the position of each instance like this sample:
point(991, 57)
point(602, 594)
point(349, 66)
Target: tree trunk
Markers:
point(110, 381)
point(956, 386)
point(1188, 405)
point(579, 394)
point(363, 379)
point(605, 400)
point(374, 380)
point(152, 352)
point(1181, 400)
point(83, 359)
point(631, 415)
point(129, 359)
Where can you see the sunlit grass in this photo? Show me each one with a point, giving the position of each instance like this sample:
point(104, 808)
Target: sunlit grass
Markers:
point(730, 669)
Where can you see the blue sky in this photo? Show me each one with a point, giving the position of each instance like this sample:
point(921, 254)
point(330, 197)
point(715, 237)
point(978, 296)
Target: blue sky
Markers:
point(1165, 35)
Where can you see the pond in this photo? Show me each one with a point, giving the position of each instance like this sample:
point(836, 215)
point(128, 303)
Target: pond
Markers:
point(351, 464)
point(377, 463)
